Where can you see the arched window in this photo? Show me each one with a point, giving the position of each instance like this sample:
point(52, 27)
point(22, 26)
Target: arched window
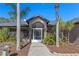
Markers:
point(37, 25)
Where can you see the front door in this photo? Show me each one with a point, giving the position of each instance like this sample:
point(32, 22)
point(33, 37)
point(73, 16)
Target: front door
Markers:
point(37, 35)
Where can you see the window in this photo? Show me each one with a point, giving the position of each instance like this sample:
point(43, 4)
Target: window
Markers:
point(38, 25)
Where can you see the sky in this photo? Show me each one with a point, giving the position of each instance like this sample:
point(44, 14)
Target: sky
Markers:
point(67, 11)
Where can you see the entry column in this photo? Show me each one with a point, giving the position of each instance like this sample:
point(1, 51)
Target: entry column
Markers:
point(33, 33)
point(41, 33)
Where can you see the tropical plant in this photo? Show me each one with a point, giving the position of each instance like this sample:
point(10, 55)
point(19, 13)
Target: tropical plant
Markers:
point(6, 36)
point(13, 12)
point(12, 37)
point(62, 26)
point(3, 34)
point(57, 25)
point(50, 39)
point(17, 14)
point(63, 41)
point(2, 19)
point(18, 28)
point(69, 25)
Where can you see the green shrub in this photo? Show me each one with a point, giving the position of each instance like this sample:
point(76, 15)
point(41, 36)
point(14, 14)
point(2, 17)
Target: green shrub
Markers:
point(3, 34)
point(63, 41)
point(50, 39)
point(12, 37)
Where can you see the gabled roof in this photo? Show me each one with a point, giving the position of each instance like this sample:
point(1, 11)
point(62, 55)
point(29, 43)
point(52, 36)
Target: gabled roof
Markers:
point(23, 23)
point(37, 17)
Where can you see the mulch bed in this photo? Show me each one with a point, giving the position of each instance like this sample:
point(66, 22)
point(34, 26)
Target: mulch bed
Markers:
point(0, 51)
point(64, 49)
point(23, 52)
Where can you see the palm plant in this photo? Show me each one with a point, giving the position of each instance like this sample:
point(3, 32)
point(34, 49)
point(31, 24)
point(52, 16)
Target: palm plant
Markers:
point(2, 19)
point(18, 14)
point(18, 28)
point(57, 25)
point(13, 12)
point(62, 26)
point(69, 25)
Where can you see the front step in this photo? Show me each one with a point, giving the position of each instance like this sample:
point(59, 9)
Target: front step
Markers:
point(36, 41)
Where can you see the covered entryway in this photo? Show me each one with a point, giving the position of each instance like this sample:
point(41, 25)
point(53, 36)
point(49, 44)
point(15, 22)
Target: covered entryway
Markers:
point(38, 27)
point(37, 35)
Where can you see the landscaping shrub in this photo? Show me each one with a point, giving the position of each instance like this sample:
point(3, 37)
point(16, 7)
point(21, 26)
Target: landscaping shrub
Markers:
point(50, 39)
point(12, 38)
point(5, 36)
point(63, 41)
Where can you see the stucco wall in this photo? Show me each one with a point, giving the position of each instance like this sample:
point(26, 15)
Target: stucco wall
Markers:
point(42, 22)
point(74, 34)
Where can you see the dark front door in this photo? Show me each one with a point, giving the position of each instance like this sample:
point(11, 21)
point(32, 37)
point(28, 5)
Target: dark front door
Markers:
point(37, 34)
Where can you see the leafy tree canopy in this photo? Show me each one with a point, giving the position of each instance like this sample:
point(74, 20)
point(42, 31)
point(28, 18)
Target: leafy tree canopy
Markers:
point(13, 12)
point(69, 25)
point(2, 19)
point(62, 24)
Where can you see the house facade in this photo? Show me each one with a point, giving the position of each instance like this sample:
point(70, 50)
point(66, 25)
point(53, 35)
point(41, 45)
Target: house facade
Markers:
point(36, 28)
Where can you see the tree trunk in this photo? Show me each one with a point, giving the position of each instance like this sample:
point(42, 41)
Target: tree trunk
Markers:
point(57, 34)
point(30, 36)
point(68, 36)
point(18, 28)
point(62, 35)
point(57, 25)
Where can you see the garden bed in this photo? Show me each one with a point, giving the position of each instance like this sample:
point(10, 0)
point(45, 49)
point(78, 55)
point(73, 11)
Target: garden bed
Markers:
point(24, 51)
point(12, 50)
point(70, 48)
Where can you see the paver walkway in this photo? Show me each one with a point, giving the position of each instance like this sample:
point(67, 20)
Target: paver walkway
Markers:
point(39, 49)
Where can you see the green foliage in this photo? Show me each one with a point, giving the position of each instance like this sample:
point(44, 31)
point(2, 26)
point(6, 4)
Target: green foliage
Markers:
point(12, 37)
point(13, 12)
point(69, 25)
point(3, 34)
point(62, 24)
point(50, 39)
point(2, 19)
point(63, 41)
